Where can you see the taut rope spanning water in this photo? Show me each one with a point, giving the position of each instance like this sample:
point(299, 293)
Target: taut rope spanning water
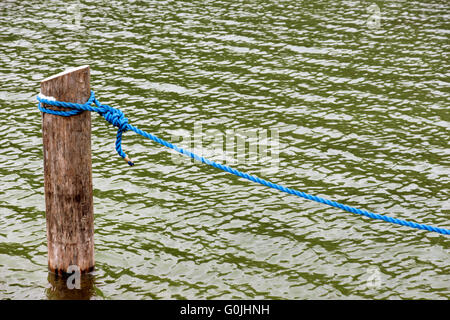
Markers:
point(117, 119)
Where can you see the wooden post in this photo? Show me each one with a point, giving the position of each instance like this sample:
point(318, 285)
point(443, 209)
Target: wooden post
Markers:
point(68, 175)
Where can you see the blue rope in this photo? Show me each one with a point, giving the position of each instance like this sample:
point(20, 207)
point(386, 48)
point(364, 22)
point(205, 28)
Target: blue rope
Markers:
point(117, 119)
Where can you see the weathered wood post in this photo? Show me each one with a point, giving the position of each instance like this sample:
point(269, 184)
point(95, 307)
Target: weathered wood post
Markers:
point(68, 175)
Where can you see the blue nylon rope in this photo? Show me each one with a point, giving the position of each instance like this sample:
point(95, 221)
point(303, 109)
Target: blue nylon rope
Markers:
point(117, 119)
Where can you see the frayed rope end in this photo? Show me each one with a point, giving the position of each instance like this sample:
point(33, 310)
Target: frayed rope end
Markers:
point(128, 160)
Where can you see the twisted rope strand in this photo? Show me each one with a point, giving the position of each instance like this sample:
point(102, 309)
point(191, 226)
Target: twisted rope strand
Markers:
point(117, 119)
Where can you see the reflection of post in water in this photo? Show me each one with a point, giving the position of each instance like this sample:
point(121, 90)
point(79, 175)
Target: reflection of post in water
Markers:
point(70, 286)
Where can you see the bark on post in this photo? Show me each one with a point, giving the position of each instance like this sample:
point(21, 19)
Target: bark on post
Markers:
point(68, 175)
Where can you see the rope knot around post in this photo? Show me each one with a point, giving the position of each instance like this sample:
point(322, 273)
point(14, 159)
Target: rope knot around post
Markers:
point(114, 116)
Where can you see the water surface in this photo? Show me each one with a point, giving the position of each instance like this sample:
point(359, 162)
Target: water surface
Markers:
point(362, 112)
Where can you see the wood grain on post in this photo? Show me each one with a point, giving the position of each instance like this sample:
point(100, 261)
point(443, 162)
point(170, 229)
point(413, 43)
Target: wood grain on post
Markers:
point(68, 174)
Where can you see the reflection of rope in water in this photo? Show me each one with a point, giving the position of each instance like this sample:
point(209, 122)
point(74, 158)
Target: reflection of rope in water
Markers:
point(117, 119)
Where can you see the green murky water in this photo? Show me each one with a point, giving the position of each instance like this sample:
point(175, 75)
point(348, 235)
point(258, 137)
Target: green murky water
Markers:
point(360, 105)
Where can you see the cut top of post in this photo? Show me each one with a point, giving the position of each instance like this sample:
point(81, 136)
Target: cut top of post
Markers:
point(68, 70)
point(71, 85)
